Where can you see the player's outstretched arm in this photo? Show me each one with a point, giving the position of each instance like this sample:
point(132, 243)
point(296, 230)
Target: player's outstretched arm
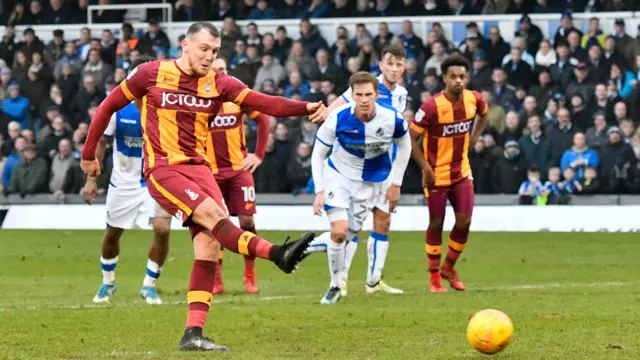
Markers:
point(279, 106)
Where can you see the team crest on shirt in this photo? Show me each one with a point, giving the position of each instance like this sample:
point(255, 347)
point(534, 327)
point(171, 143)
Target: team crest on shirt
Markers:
point(207, 87)
point(380, 132)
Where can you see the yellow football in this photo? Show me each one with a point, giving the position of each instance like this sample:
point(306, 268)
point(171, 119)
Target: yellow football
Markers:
point(489, 331)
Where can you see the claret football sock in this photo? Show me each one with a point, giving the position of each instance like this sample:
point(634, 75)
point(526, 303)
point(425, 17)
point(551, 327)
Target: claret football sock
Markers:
point(249, 260)
point(108, 270)
point(433, 247)
point(457, 242)
point(199, 296)
point(239, 241)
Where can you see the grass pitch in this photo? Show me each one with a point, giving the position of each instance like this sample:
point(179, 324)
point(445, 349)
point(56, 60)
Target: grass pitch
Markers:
point(570, 296)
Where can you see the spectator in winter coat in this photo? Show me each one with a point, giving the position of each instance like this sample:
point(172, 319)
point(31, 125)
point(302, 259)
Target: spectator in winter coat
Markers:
point(616, 160)
point(510, 170)
point(13, 159)
point(311, 39)
point(504, 94)
point(582, 85)
point(49, 147)
point(269, 177)
point(17, 106)
point(562, 70)
point(35, 87)
point(535, 145)
point(546, 56)
point(70, 57)
point(12, 132)
point(579, 156)
point(262, 11)
point(589, 184)
point(270, 70)
point(30, 176)
point(496, 48)
point(97, 68)
point(624, 80)
point(597, 137)
point(495, 114)
point(88, 94)
point(482, 162)
point(60, 164)
point(561, 136)
point(299, 168)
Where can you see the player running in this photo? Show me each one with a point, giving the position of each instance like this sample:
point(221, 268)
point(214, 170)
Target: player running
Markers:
point(358, 175)
point(449, 127)
point(178, 100)
point(127, 200)
point(394, 96)
point(232, 168)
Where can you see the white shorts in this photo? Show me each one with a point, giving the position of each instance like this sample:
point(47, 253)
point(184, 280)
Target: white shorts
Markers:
point(358, 197)
point(131, 208)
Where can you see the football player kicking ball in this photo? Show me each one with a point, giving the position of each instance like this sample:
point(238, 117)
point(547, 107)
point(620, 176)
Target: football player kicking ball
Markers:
point(178, 100)
point(360, 174)
point(127, 199)
point(449, 126)
point(394, 96)
point(233, 168)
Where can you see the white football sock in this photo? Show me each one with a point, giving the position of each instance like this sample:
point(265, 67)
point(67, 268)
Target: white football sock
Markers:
point(335, 254)
point(153, 273)
point(108, 270)
point(350, 252)
point(377, 248)
point(320, 243)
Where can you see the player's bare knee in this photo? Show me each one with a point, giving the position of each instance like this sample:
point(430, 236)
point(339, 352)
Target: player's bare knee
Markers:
point(436, 223)
point(381, 222)
point(339, 231)
point(161, 228)
point(207, 214)
point(112, 236)
point(246, 222)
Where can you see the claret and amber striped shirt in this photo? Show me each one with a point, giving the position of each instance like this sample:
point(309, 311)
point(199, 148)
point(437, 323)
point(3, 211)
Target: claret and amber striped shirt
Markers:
point(177, 110)
point(446, 128)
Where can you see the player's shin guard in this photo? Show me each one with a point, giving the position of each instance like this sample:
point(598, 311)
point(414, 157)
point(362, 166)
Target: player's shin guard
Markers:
point(199, 296)
point(249, 260)
point(153, 273)
point(433, 247)
point(457, 242)
point(335, 254)
point(239, 241)
point(377, 248)
point(108, 270)
point(349, 252)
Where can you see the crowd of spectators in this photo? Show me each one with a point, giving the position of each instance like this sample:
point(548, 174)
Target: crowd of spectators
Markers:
point(564, 109)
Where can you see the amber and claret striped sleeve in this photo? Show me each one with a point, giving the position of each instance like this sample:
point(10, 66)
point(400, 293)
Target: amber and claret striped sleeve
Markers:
point(446, 131)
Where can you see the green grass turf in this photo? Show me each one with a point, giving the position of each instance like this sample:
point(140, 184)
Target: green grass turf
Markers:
point(570, 296)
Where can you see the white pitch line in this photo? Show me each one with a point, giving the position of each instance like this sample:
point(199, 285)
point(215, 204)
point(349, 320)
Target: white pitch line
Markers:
point(232, 299)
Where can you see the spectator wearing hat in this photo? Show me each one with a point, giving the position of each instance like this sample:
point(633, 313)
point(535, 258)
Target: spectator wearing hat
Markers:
point(30, 175)
point(582, 84)
point(16, 106)
point(510, 170)
point(495, 48)
point(616, 160)
point(566, 27)
point(625, 44)
point(480, 72)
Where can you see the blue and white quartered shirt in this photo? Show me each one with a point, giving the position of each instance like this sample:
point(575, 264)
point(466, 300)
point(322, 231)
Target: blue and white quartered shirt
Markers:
point(395, 98)
point(126, 131)
point(361, 151)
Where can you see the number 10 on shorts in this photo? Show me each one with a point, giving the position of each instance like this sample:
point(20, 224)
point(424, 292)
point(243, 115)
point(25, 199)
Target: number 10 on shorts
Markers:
point(249, 193)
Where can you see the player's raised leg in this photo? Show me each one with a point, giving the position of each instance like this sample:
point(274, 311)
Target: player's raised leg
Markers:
point(158, 252)
point(377, 250)
point(436, 202)
point(335, 253)
point(108, 263)
point(461, 197)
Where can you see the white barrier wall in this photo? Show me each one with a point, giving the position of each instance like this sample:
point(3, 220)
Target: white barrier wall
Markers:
point(454, 26)
point(407, 218)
